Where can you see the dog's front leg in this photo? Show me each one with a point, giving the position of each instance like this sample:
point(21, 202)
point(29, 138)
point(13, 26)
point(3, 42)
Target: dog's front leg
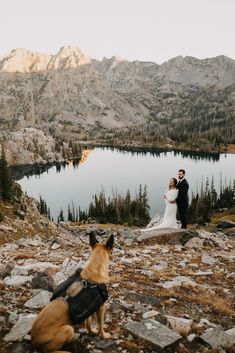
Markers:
point(100, 318)
point(88, 326)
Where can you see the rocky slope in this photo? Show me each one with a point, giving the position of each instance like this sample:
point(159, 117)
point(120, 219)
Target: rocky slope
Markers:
point(21, 216)
point(72, 95)
point(174, 292)
point(32, 146)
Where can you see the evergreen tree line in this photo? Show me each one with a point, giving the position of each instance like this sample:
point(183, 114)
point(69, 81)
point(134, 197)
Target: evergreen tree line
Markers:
point(72, 214)
point(6, 181)
point(43, 208)
point(125, 210)
point(192, 132)
point(207, 201)
point(119, 209)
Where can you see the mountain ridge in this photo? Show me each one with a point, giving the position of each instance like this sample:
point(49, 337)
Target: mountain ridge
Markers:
point(73, 96)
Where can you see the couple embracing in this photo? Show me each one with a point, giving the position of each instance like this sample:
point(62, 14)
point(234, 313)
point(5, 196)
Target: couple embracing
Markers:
point(176, 198)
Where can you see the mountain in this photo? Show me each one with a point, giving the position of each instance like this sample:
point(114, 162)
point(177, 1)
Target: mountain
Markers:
point(74, 96)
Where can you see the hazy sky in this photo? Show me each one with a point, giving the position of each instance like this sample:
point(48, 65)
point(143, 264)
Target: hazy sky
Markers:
point(149, 30)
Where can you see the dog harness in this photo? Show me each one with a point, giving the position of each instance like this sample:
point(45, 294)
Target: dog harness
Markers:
point(86, 302)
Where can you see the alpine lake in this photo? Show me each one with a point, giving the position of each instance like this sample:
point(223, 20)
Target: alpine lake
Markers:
point(115, 171)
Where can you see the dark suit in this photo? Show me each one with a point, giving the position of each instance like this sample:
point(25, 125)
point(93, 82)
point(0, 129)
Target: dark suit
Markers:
point(182, 202)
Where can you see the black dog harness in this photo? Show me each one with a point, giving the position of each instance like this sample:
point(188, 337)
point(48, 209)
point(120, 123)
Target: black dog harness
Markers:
point(86, 302)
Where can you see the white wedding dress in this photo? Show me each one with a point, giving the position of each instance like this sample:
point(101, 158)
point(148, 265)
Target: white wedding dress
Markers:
point(169, 218)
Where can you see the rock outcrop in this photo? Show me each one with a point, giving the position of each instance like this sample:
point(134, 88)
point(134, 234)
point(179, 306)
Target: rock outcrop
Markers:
point(33, 146)
point(171, 297)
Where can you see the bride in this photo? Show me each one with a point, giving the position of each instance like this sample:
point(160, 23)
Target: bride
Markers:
point(169, 218)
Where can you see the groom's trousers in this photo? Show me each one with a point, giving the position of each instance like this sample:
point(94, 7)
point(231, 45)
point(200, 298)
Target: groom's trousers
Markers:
point(183, 210)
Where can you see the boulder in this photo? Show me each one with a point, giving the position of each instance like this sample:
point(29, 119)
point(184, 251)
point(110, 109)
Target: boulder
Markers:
point(226, 224)
point(43, 281)
point(231, 336)
point(7, 270)
point(194, 243)
point(149, 314)
point(142, 298)
point(21, 328)
point(153, 332)
point(180, 325)
point(17, 281)
point(39, 300)
point(178, 281)
point(215, 337)
point(207, 259)
point(165, 235)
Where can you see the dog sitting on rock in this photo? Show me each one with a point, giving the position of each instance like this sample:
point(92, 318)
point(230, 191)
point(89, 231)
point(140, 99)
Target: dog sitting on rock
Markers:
point(74, 301)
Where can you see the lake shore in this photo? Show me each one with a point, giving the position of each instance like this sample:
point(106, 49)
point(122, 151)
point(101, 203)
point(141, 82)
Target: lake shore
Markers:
point(136, 146)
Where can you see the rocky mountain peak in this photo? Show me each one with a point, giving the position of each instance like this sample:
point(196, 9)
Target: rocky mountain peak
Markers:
point(219, 71)
point(23, 60)
point(68, 57)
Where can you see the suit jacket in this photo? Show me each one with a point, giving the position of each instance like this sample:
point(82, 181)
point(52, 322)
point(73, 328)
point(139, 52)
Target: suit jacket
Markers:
point(182, 199)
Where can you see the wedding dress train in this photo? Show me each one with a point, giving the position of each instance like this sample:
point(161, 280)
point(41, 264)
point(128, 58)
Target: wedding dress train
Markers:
point(169, 218)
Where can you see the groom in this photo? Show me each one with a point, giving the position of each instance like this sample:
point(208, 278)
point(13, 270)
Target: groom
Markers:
point(182, 199)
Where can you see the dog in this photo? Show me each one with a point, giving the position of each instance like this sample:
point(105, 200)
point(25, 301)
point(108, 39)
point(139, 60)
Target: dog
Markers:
point(53, 327)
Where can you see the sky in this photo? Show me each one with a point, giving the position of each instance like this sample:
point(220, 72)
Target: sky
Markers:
point(146, 30)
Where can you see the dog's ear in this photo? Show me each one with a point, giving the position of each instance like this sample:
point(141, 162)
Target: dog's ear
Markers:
point(109, 243)
point(92, 239)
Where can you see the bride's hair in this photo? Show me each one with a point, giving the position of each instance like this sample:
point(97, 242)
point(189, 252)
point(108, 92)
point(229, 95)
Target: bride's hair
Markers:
point(175, 181)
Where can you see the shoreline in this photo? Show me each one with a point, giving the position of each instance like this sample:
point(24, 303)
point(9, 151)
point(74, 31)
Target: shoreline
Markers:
point(162, 147)
point(128, 148)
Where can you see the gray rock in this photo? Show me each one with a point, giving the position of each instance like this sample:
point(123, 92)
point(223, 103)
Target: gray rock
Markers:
point(194, 243)
point(69, 266)
point(143, 299)
point(22, 347)
point(128, 234)
point(207, 259)
point(104, 344)
point(207, 323)
point(59, 277)
point(165, 235)
point(121, 305)
point(20, 214)
point(215, 337)
point(17, 281)
point(55, 246)
point(43, 281)
point(149, 314)
point(179, 324)
point(126, 261)
point(7, 270)
point(39, 300)
point(191, 337)
point(203, 273)
point(13, 317)
point(21, 328)
point(231, 275)
point(154, 332)
point(231, 336)
point(160, 266)
point(225, 224)
point(178, 281)
point(33, 267)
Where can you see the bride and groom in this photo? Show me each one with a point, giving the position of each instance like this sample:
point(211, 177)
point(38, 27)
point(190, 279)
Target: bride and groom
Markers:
point(176, 198)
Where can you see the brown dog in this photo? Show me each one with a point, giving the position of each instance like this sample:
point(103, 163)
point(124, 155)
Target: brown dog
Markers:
point(53, 326)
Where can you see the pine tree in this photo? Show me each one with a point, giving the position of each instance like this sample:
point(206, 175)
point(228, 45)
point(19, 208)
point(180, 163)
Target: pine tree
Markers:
point(6, 182)
point(70, 216)
point(61, 216)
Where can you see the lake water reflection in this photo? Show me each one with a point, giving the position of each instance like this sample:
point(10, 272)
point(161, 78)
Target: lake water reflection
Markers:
point(113, 169)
